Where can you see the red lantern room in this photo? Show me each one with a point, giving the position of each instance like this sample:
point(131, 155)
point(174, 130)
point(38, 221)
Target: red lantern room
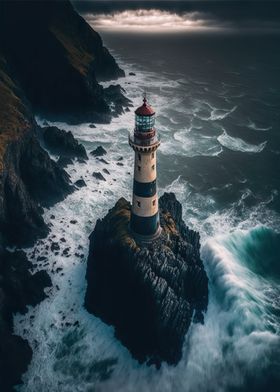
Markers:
point(144, 117)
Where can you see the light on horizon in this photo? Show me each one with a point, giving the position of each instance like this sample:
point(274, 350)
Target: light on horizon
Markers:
point(152, 20)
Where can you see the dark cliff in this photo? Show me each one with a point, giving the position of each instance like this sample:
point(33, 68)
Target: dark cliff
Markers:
point(57, 58)
point(26, 170)
point(149, 293)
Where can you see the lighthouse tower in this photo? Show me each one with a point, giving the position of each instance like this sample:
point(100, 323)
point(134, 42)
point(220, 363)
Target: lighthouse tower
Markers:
point(144, 222)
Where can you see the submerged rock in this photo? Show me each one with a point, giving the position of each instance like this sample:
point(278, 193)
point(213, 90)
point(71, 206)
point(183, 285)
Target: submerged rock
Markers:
point(98, 152)
point(150, 293)
point(98, 176)
point(80, 183)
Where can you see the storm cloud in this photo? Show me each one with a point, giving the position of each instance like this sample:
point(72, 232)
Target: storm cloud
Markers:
point(181, 15)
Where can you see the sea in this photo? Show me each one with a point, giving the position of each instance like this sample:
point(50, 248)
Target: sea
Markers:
point(217, 103)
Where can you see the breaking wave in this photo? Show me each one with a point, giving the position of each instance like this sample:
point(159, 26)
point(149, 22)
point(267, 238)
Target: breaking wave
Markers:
point(255, 127)
point(237, 144)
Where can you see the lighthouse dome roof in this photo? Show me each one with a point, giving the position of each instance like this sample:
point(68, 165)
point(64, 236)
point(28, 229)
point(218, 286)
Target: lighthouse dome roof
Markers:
point(145, 109)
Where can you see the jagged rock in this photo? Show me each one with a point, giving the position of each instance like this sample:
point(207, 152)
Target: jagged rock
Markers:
point(61, 142)
point(149, 293)
point(99, 151)
point(98, 176)
point(102, 160)
point(18, 289)
point(55, 246)
point(64, 161)
point(106, 171)
point(115, 98)
point(80, 183)
point(80, 160)
point(27, 173)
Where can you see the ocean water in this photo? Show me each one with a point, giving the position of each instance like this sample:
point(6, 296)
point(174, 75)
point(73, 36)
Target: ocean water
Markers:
point(217, 100)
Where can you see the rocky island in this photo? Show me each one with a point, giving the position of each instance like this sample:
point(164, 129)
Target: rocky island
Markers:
point(149, 292)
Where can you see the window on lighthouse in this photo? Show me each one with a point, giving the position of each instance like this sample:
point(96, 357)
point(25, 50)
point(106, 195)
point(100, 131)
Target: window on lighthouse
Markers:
point(144, 123)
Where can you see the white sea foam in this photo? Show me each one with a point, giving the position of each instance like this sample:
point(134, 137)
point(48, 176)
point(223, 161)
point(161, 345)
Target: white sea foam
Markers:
point(255, 127)
point(190, 142)
point(207, 112)
point(237, 144)
point(220, 114)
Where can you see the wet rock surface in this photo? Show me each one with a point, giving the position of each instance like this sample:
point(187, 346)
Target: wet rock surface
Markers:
point(98, 176)
point(98, 152)
point(63, 143)
point(115, 98)
point(150, 293)
point(80, 183)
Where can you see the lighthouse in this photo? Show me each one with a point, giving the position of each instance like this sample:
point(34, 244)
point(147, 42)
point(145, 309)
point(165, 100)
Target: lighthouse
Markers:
point(144, 222)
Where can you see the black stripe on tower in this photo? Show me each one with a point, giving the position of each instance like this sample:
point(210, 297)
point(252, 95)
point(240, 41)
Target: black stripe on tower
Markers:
point(144, 189)
point(144, 225)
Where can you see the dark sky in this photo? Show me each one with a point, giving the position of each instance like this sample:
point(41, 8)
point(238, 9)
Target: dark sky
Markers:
point(238, 13)
point(229, 9)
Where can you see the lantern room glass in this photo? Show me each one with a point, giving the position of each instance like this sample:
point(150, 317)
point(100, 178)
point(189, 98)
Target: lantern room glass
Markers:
point(144, 123)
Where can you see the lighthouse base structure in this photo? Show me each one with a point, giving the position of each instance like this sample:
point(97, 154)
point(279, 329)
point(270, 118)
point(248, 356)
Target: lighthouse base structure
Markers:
point(141, 227)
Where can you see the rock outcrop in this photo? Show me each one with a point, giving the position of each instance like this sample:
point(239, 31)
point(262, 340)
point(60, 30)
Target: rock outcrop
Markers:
point(98, 152)
point(18, 288)
point(115, 98)
point(152, 292)
point(62, 143)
